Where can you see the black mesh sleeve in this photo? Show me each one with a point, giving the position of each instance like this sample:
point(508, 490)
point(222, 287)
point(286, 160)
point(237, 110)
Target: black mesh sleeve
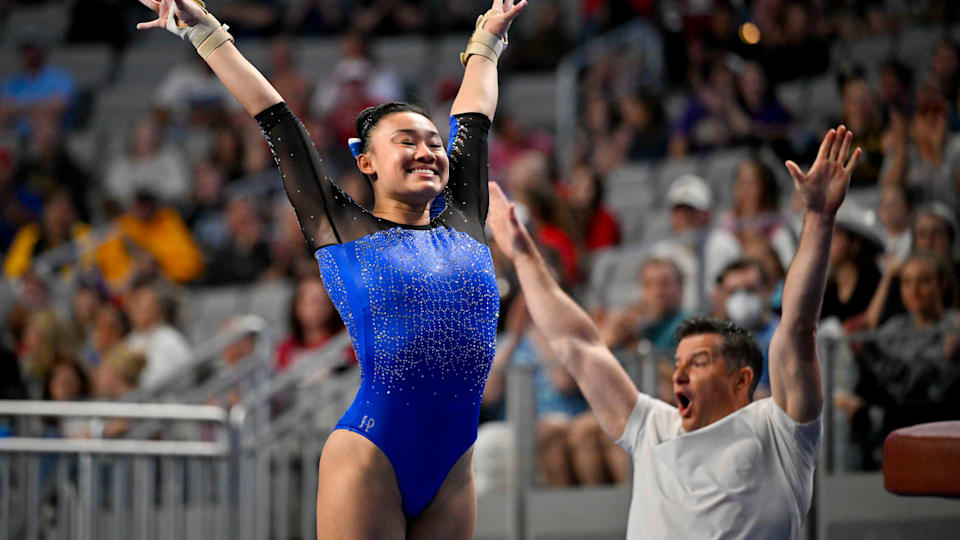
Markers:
point(467, 148)
point(327, 215)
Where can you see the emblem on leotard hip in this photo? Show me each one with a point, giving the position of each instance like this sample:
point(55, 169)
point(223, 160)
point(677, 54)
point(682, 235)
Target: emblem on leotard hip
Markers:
point(367, 423)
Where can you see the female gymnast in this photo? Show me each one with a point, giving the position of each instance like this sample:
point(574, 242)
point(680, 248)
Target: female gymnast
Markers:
point(413, 281)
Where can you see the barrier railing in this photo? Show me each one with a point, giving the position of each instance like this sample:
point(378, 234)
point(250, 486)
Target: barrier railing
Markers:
point(95, 488)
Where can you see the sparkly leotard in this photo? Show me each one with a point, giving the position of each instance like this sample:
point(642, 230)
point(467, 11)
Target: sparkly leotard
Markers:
point(420, 302)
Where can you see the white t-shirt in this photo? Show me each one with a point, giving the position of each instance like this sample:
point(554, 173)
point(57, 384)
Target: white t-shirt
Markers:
point(166, 349)
point(748, 475)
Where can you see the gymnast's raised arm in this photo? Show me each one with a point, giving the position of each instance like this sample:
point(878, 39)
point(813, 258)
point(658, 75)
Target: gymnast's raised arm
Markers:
point(240, 77)
point(479, 88)
point(321, 207)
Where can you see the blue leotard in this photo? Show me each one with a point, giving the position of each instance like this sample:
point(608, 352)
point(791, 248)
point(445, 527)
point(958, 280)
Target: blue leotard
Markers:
point(420, 302)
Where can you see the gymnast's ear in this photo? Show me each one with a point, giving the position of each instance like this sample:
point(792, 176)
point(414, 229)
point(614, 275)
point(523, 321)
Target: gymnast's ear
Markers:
point(365, 165)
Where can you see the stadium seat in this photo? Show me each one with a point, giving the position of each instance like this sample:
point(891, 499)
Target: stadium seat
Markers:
point(46, 23)
point(406, 56)
point(531, 98)
point(90, 64)
point(916, 46)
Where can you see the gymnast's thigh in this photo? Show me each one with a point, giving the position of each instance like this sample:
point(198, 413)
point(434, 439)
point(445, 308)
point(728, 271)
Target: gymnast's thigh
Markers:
point(452, 514)
point(357, 493)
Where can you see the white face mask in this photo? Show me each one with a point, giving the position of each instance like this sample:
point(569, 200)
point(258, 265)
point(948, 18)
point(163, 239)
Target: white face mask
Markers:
point(744, 308)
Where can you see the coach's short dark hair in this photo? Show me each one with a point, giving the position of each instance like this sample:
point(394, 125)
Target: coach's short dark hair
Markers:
point(739, 347)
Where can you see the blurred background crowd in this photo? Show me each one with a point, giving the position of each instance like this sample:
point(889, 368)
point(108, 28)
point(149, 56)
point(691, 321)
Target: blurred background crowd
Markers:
point(140, 211)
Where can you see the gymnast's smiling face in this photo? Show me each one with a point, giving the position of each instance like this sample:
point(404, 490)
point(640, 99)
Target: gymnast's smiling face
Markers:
point(405, 159)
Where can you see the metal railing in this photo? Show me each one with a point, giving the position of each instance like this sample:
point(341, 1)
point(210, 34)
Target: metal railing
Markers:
point(102, 488)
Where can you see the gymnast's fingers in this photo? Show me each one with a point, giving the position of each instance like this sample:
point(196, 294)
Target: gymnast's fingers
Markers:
point(158, 23)
point(152, 4)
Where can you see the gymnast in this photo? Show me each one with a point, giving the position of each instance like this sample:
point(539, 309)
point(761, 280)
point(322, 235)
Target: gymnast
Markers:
point(413, 281)
point(720, 465)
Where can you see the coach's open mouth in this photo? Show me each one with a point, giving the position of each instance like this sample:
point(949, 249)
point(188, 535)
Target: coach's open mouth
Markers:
point(683, 403)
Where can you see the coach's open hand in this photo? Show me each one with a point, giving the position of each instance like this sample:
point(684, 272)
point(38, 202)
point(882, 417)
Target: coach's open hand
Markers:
point(825, 186)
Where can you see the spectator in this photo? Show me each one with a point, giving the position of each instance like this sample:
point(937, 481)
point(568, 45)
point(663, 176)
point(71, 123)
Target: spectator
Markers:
point(192, 94)
point(552, 226)
point(741, 297)
point(712, 117)
point(768, 118)
point(894, 212)
point(289, 256)
point(512, 141)
point(150, 235)
point(206, 218)
point(546, 45)
point(119, 373)
point(110, 329)
point(853, 273)
point(773, 270)
point(36, 91)
point(46, 341)
point(246, 256)
point(896, 81)
point(227, 153)
point(149, 165)
point(934, 230)
point(19, 205)
point(86, 301)
point(312, 320)
point(48, 167)
point(645, 126)
point(315, 17)
point(11, 382)
point(756, 212)
point(354, 83)
point(865, 119)
point(58, 227)
point(657, 314)
point(68, 381)
point(252, 18)
point(597, 228)
point(286, 79)
point(922, 157)
point(151, 310)
point(386, 17)
point(701, 251)
point(799, 51)
point(114, 378)
point(912, 369)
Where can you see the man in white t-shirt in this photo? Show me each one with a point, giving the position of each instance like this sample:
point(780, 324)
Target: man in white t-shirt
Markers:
point(721, 465)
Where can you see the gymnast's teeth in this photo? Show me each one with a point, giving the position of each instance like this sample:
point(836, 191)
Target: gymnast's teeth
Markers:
point(422, 171)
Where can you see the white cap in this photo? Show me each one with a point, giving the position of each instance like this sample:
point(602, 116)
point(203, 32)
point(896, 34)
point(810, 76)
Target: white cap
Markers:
point(690, 190)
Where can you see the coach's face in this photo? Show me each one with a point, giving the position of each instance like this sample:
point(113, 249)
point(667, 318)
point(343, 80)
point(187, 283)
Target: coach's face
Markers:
point(704, 387)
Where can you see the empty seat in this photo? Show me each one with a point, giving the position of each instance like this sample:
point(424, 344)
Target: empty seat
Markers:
point(531, 99)
point(46, 23)
point(825, 99)
point(316, 57)
point(89, 63)
point(270, 300)
point(406, 56)
point(916, 45)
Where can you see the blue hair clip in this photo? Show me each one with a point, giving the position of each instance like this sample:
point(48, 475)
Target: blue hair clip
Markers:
point(356, 146)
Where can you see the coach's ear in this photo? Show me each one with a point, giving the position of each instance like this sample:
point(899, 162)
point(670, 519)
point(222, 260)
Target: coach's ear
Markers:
point(744, 379)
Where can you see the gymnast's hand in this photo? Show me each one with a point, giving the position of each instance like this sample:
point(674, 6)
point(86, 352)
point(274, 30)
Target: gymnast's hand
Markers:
point(504, 12)
point(186, 13)
point(825, 186)
point(508, 231)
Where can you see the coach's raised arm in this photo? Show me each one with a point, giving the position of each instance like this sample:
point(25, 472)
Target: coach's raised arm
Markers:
point(794, 366)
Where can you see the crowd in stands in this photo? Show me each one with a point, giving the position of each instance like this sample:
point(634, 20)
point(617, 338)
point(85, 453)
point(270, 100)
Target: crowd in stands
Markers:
point(97, 255)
